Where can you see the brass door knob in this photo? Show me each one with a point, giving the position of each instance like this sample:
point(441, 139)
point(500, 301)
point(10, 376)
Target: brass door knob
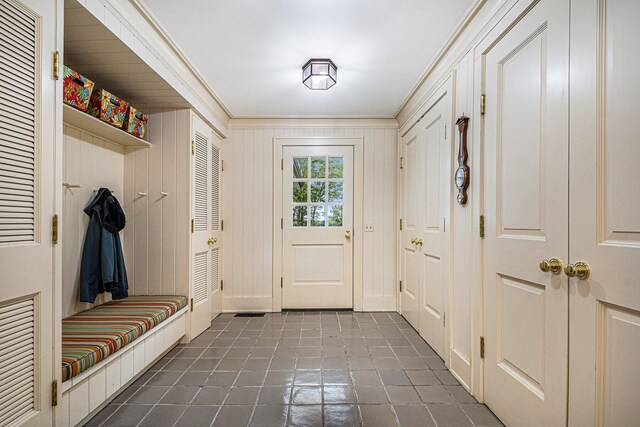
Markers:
point(554, 265)
point(212, 241)
point(419, 242)
point(580, 270)
point(347, 234)
point(413, 241)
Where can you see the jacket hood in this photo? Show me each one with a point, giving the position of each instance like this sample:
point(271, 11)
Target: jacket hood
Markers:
point(108, 209)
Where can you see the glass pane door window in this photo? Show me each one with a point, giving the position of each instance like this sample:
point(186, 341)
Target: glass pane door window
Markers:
point(317, 191)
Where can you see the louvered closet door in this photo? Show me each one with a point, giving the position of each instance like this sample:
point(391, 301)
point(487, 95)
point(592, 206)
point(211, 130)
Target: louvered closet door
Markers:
point(202, 220)
point(216, 226)
point(27, 158)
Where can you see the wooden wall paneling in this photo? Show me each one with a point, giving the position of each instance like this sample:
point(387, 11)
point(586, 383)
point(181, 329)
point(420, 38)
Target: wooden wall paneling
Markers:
point(251, 201)
point(84, 155)
point(183, 203)
point(259, 196)
point(128, 245)
point(461, 228)
point(154, 204)
point(369, 273)
point(141, 218)
point(389, 221)
point(168, 180)
point(247, 203)
point(267, 218)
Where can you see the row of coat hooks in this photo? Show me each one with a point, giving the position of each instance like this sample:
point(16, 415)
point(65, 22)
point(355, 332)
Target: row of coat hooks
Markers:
point(95, 190)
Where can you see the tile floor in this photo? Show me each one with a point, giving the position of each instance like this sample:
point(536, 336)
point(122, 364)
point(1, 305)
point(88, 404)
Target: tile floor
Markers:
point(299, 369)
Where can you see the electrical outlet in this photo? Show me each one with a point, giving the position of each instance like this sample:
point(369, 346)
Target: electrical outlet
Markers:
point(368, 228)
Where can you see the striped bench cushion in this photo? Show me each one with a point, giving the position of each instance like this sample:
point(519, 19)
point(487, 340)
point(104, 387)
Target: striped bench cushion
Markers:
point(92, 335)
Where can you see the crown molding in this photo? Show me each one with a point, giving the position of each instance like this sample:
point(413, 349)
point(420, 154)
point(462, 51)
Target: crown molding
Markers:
point(312, 122)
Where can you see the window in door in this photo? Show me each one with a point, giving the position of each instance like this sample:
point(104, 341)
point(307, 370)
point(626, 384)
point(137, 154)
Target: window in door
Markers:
point(317, 192)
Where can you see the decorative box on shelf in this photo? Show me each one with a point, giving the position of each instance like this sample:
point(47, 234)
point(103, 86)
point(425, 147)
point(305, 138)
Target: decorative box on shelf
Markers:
point(77, 89)
point(108, 108)
point(135, 122)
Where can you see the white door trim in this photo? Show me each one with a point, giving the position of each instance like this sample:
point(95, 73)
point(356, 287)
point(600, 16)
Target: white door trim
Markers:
point(358, 211)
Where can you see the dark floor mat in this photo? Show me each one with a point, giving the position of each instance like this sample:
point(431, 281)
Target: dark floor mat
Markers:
point(249, 315)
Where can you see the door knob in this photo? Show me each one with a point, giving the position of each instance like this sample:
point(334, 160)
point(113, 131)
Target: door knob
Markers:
point(554, 265)
point(419, 242)
point(347, 234)
point(212, 241)
point(580, 270)
point(413, 241)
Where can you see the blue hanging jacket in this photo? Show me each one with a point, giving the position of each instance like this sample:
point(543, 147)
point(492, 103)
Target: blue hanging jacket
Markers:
point(103, 267)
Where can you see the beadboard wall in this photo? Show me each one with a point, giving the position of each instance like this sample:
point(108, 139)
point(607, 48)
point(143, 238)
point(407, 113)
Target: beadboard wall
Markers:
point(157, 232)
point(90, 162)
point(248, 207)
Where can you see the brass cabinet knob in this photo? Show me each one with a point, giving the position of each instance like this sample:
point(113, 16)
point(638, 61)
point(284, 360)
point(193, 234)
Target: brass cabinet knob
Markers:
point(212, 241)
point(554, 265)
point(347, 234)
point(580, 270)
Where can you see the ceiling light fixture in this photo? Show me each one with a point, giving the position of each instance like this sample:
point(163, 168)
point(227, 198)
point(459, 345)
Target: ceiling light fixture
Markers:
point(319, 74)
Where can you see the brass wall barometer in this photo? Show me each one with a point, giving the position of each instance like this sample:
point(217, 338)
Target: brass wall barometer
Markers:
point(462, 173)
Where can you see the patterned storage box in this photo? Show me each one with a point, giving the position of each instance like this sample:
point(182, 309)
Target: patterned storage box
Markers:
point(108, 108)
point(135, 122)
point(77, 89)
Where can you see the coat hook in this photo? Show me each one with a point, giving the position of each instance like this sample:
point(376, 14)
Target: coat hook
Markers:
point(67, 185)
point(95, 190)
point(164, 193)
point(140, 193)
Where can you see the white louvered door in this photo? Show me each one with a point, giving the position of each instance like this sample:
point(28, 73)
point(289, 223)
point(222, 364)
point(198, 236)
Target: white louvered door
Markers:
point(201, 226)
point(27, 160)
point(215, 255)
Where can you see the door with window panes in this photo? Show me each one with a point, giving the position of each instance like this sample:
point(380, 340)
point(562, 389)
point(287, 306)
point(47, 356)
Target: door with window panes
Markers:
point(317, 227)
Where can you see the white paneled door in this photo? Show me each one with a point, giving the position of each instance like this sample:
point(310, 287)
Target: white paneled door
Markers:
point(526, 218)
point(410, 262)
point(27, 170)
point(604, 376)
point(317, 206)
point(205, 227)
point(425, 206)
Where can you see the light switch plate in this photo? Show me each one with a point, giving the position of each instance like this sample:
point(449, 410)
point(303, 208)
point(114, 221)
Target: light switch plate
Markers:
point(368, 228)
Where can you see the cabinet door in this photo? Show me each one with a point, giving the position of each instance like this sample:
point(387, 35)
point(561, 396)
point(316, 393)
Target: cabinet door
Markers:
point(27, 171)
point(201, 227)
point(604, 376)
point(526, 218)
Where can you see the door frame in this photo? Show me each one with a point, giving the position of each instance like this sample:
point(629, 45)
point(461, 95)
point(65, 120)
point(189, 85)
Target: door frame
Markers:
point(358, 211)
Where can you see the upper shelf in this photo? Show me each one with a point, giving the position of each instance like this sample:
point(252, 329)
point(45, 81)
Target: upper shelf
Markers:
point(99, 128)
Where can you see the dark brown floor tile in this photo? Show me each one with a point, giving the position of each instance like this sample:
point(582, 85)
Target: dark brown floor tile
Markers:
point(414, 416)
point(269, 416)
point(342, 416)
point(305, 415)
point(163, 416)
point(449, 415)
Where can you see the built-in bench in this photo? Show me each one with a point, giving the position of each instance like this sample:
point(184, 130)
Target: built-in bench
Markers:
point(105, 348)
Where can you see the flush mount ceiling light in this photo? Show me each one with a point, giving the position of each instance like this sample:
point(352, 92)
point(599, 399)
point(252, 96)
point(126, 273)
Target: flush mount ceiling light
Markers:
point(319, 74)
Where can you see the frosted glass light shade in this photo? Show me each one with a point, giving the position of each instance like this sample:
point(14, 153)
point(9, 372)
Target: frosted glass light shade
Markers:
point(319, 74)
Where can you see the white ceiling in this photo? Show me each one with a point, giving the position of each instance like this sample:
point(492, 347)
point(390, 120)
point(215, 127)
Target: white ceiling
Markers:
point(251, 51)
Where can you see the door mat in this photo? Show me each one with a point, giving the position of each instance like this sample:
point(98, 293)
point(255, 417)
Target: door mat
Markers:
point(249, 315)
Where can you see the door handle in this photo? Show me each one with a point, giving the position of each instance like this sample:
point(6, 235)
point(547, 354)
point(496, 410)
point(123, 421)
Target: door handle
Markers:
point(419, 242)
point(347, 234)
point(413, 241)
point(580, 270)
point(212, 241)
point(554, 265)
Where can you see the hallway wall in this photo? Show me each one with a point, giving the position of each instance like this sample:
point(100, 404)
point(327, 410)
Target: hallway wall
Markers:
point(248, 206)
